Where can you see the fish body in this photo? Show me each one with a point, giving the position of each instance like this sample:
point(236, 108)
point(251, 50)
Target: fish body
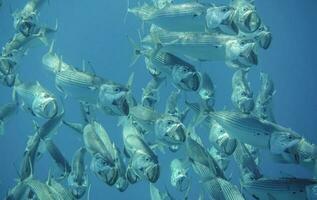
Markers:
point(98, 144)
point(78, 179)
point(51, 126)
point(282, 188)
point(237, 53)
point(122, 182)
point(242, 96)
point(263, 104)
point(7, 70)
point(35, 99)
point(150, 95)
point(59, 158)
point(179, 175)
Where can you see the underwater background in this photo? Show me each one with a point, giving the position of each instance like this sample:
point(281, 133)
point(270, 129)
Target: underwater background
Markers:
point(96, 31)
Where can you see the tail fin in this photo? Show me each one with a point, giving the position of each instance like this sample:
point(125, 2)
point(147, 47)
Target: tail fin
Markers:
point(137, 51)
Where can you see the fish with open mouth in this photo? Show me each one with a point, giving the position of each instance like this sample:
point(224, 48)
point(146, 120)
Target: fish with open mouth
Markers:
point(25, 20)
point(35, 99)
point(179, 175)
point(78, 179)
point(242, 96)
point(7, 70)
point(183, 75)
point(150, 94)
point(122, 182)
point(246, 16)
point(143, 163)
point(104, 161)
point(189, 17)
point(263, 36)
point(236, 52)
point(206, 90)
point(168, 129)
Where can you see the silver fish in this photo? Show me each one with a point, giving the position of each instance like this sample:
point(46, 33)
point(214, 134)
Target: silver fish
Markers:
point(122, 182)
point(6, 112)
point(219, 188)
point(150, 95)
point(253, 131)
point(35, 99)
point(78, 179)
point(19, 191)
point(59, 158)
point(172, 108)
point(246, 17)
point(158, 195)
point(263, 104)
point(41, 190)
point(179, 175)
point(242, 96)
point(58, 190)
point(143, 162)
point(50, 126)
point(206, 90)
point(248, 168)
point(25, 19)
point(263, 36)
point(189, 17)
point(282, 188)
point(98, 144)
point(7, 70)
point(237, 53)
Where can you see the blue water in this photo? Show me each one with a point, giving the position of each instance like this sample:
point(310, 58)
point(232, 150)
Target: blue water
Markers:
point(95, 31)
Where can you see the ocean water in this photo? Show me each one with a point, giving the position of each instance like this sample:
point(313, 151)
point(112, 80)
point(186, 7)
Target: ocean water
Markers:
point(96, 31)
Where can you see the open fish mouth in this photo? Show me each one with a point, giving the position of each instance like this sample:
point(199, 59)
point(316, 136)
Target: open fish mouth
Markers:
point(249, 57)
point(250, 21)
point(153, 173)
point(50, 109)
point(265, 40)
point(182, 182)
point(26, 27)
point(122, 105)
point(229, 146)
point(191, 82)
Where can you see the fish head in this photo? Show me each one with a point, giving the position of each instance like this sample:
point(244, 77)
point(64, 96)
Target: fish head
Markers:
point(264, 37)
point(45, 106)
point(243, 100)
point(247, 18)
point(113, 98)
point(282, 141)
point(78, 185)
point(122, 184)
point(105, 169)
point(8, 80)
point(241, 53)
point(145, 166)
point(26, 26)
point(170, 130)
point(222, 17)
point(180, 179)
point(186, 78)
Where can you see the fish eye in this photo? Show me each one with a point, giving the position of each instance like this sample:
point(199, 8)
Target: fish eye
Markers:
point(224, 9)
point(261, 28)
point(117, 89)
point(245, 9)
point(242, 42)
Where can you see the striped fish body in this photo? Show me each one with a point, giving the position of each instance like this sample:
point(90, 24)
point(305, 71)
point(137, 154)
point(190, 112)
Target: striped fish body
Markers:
point(245, 128)
point(59, 191)
point(284, 188)
point(41, 190)
point(198, 46)
point(79, 85)
point(186, 17)
point(220, 189)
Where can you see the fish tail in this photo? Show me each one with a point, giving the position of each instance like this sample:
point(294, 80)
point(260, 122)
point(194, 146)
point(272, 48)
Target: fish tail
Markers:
point(143, 12)
point(137, 51)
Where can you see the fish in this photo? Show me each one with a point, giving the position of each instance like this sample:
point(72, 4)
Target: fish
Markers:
point(206, 90)
point(264, 101)
point(58, 190)
point(41, 190)
point(179, 175)
point(251, 130)
point(280, 188)
point(150, 94)
point(8, 70)
point(221, 158)
point(59, 159)
point(143, 163)
point(78, 178)
point(249, 169)
point(219, 188)
point(19, 191)
point(203, 163)
point(242, 95)
point(35, 99)
point(26, 18)
point(122, 183)
point(263, 36)
point(19, 43)
point(246, 16)
point(236, 52)
point(172, 108)
point(188, 17)
point(169, 130)
point(221, 139)
point(6, 112)
point(51, 126)
point(99, 146)
point(183, 75)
